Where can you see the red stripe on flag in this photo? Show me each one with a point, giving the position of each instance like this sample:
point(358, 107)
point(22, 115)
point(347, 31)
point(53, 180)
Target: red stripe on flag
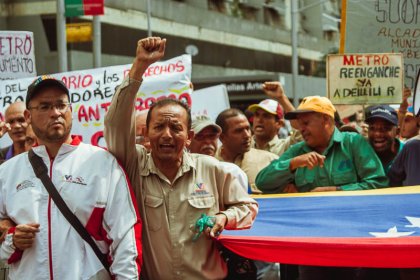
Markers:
point(352, 252)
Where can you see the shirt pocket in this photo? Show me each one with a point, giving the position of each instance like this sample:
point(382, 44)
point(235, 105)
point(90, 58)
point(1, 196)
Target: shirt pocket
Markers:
point(304, 179)
point(154, 212)
point(201, 205)
point(343, 178)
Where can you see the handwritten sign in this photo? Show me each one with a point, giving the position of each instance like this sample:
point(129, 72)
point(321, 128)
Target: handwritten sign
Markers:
point(17, 59)
point(91, 92)
point(365, 78)
point(383, 26)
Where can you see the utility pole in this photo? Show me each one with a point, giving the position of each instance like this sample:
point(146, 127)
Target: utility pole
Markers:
point(295, 60)
point(97, 47)
point(61, 37)
point(149, 15)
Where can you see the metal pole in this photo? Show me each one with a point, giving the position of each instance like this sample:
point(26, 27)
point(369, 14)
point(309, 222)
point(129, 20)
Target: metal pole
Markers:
point(149, 15)
point(61, 37)
point(295, 62)
point(97, 47)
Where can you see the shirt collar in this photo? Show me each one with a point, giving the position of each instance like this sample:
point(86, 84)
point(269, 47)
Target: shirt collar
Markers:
point(270, 144)
point(64, 149)
point(336, 137)
point(186, 165)
point(9, 153)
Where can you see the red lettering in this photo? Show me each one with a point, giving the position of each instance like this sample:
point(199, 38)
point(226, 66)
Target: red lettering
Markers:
point(94, 140)
point(78, 81)
point(359, 60)
point(87, 80)
point(186, 97)
point(180, 67)
point(140, 105)
point(348, 60)
point(376, 60)
point(72, 82)
point(94, 113)
point(385, 59)
point(105, 106)
point(82, 114)
point(27, 47)
point(18, 45)
point(148, 102)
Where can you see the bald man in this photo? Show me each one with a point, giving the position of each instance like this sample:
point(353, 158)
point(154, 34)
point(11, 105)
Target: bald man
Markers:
point(14, 124)
point(141, 137)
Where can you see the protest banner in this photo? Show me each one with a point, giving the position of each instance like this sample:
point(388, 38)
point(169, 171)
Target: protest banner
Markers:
point(91, 92)
point(17, 56)
point(416, 97)
point(383, 26)
point(365, 78)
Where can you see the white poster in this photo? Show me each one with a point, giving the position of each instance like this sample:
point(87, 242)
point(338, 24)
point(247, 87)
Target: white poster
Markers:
point(209, 101)
point(17, 55)
point(365, 78)
point(91, 92)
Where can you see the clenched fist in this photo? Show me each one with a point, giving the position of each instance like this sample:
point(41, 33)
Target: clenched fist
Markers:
point(149, 50)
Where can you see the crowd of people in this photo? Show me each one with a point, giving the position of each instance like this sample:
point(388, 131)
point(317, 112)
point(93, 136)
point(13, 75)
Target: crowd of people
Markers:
point(140, 201)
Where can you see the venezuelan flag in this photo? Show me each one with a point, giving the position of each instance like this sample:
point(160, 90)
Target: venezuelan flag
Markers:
point(372, 228)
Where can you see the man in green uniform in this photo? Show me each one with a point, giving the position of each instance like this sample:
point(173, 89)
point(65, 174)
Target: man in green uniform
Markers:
point(327, 160)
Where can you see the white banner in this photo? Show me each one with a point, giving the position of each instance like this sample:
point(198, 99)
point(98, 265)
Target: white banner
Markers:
point(91, 92)
point(365, 78)
point(17, 55)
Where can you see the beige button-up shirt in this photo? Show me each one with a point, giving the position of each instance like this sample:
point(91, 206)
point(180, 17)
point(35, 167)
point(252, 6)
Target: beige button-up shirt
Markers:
point(251, 163)
point(279, 146)
point(170, 210)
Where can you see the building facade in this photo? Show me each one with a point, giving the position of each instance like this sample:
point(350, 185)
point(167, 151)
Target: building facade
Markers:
point(228, 39)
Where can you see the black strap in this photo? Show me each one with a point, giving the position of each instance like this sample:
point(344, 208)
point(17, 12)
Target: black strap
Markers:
point(41, 172)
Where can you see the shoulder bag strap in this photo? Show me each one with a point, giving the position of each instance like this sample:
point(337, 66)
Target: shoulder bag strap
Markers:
point(41, 172)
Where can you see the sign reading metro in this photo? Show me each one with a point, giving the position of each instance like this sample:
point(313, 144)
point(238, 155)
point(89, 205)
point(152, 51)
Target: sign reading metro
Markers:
point(365, 78)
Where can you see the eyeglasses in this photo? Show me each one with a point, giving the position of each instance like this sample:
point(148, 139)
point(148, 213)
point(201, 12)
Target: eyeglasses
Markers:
point(46, 107)
point(202, 136)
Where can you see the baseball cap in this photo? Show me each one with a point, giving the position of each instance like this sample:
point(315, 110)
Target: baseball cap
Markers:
point(201, 122)
point(314, 103)
point(384, 112)
point(269, 105)
point(41, 83)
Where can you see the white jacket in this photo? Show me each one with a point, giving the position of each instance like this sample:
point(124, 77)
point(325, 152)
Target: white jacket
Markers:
point(96, 190)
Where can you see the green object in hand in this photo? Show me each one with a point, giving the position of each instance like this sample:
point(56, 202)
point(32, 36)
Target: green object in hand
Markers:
point(202, 224)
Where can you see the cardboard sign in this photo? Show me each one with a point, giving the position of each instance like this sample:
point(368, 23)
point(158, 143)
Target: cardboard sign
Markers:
point(17, 58)
point(365, 78)
point(91, 92)
point(383, 26)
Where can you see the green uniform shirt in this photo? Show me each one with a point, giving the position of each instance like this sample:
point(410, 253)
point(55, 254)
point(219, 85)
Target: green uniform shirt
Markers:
point(350, 163)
